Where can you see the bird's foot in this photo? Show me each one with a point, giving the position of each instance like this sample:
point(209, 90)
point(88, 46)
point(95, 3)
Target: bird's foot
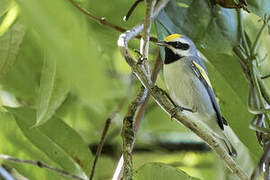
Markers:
point(141, 58)
point(177, 109)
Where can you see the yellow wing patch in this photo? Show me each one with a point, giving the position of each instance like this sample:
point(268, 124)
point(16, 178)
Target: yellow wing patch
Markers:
point(171, 37)
point(203, 73)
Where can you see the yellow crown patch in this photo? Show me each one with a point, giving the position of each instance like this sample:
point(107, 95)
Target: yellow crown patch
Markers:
point(171, 37)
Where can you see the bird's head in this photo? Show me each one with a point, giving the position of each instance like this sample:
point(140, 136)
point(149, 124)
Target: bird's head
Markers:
point(179, 45)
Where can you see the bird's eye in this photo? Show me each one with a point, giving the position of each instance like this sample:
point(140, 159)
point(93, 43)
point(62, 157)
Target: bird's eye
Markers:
point(182, 46)
point(179, 45)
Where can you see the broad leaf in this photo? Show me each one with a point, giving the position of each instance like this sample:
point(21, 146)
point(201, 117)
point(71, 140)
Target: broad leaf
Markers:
point(9, 47)
point(53, 90)
point(62, 31)
point(160, 171)
point(56, 139)
point(14, 143)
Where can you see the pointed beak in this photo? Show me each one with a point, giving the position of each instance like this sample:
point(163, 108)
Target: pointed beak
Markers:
point(162, 43)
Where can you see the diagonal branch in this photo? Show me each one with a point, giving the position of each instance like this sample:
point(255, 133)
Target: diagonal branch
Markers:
point(104, 22)
point(164, 102)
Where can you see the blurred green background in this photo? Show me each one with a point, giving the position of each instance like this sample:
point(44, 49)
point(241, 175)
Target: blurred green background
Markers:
point(65, 73)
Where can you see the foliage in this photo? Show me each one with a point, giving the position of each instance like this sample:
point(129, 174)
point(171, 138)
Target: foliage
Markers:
point(61, 76)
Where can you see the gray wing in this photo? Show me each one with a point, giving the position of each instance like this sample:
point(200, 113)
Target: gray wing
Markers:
point(221, 121)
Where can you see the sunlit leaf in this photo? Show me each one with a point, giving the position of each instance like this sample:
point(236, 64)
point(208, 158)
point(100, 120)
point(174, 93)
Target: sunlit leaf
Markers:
point(9, 18)
point(9, 47)
point(56, 139)
point(4, 5)
point(53, 90)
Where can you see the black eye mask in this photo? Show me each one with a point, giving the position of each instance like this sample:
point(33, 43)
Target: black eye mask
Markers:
point(179, 45)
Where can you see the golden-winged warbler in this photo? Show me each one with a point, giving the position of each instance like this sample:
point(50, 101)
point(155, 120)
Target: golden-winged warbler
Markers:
point(188, 84)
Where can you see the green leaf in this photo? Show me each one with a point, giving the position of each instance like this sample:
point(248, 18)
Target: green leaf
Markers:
point(9, 47)
point(215, 33)
point(56, 139)
point(53, 90)
point(14, 143)
point(4, 6)
point(160, 171)
point(62, 30)
point(260, 8)
point(9, 18)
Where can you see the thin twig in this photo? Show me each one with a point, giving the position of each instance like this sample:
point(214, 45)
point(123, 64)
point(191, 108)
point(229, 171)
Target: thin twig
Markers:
point(259, 168)
point(40, 165)
point(267, 173)
point(256, 43)
point(165, 103)
point(130, 11)
point(104, 22)
point(266, 76)
point(242, 31)
point(104, 133)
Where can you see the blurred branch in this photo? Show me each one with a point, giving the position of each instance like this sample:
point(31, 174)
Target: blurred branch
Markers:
point(164, 102)
point(104, 22)
point(5, 174)
point(40, 165)
point(259, 168)
point(104, 133)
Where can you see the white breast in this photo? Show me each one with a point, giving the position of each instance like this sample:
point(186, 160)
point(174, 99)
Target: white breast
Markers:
point(187, 90)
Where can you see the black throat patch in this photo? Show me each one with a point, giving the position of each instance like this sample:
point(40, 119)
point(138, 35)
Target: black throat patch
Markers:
point(170, 56)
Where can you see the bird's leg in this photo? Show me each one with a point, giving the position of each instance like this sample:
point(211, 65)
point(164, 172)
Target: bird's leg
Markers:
point(176, 108)
point(141, 58)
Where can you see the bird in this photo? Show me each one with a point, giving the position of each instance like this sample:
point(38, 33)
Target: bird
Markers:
point(189, 87)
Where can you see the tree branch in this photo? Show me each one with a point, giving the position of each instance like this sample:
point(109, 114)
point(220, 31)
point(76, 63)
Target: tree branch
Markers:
point(163, 101)
point(138, 118)
point(129, 132)
point(40, 165)
point(104, 22)
point(5, 174)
